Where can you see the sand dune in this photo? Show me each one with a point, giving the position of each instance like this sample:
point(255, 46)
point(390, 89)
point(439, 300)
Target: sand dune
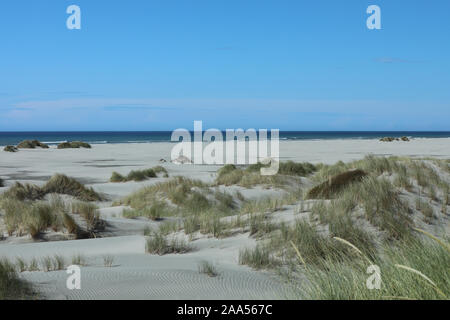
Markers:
point(136, 274)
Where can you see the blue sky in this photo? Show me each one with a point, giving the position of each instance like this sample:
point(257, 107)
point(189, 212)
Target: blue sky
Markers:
point(160, 65)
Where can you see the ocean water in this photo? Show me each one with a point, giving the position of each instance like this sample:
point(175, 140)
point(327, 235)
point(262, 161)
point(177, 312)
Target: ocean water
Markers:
point(13, 138)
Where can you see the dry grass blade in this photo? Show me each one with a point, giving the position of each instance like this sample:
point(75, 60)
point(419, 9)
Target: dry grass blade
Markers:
point(298, 253)
point(443, 244)
point(423, 276)
point(353, 247)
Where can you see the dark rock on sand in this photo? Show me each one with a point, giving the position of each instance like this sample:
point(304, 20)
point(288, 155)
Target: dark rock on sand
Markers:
point(74, 145)
point(10, 149)
point(31, 144)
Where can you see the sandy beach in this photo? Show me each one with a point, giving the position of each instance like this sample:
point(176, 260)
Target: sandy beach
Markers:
point(136, 274)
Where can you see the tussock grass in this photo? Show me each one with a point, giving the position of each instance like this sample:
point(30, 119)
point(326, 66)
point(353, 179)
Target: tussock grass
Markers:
point(59, 184)
point(36, 218)
point(335, 184)
point(54, 263)
point(74, 145)
point(21, 264)
point(117, 177)
point(383, 207)
point(139, 175)
point(210, 223)
point(207, 268)
point(260, 225)
point(62, 184)
point(11, 286)
point(176, 190)
point(32, 144)
point(79, 260)
point(402, 180)
point(258, 258)
point(191, 199)
point(292, 168)
point(249, 177)
point(70, 224)
point(24, 218)
point(413, 269)
point(426, 209)
point(90, 214)
point(263, 205)
point(108, 260)
point(24, 192)
point(370, 164)
point(379, 201)
point(154, 212)
point(159, 244)
point(168, 227)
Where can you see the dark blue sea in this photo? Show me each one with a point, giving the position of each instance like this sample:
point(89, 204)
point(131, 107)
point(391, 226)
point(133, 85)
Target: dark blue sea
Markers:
point(13, 138)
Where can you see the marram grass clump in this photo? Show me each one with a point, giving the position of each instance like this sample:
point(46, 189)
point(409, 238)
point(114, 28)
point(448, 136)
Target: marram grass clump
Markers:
point(416, 269)
point(59, 183)
point(36, 218)
point(139, 175)
point(159, 244)
point(11, 286)
point(62, 184)
point(251, 175)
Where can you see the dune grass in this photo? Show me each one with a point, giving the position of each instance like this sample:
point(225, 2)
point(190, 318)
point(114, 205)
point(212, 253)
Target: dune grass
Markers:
point(89, 212)
point(37, 217)
point(62, 184)
point(251, 176)
point(139, 175)
point(159, 244)
point(207, 268)
point(180, 196)
point(258, 258)
point(59, 184)
point(24, 192)
point(54, 263)
point(108, 260)
point(79, 260)
point(25, 218)
point(292, 168)
point(154, 212)
point(365, 221)
point(11, 286)
point(413, 269)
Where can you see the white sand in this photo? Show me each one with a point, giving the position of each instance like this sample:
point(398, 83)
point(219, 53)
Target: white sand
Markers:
point(137, 275)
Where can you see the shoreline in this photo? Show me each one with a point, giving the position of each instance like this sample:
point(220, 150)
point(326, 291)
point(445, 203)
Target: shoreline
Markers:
point(281, 139)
